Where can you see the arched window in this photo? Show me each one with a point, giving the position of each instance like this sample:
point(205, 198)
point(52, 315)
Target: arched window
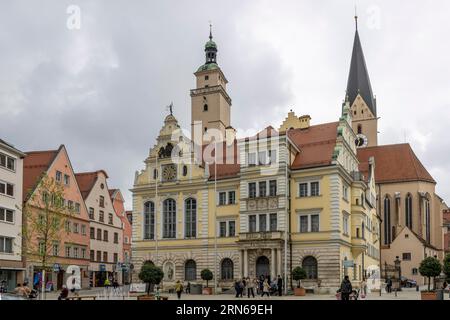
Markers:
point(185, 171)
point(190, 218)
point(155, 174)
point(408, 211)
point(226, 269)
point(190, 270)
point(149, 220)
point(387, 220)
point(205, 107)
point(169, 218)
point(427, 221)
point(359, 129)
point(309, 264)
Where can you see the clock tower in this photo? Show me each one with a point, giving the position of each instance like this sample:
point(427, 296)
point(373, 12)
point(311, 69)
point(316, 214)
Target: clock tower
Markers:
point(363, 104)
point(210, 102)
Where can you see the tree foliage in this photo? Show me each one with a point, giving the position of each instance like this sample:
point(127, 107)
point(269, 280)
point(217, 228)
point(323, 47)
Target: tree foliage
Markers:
point(298, 274)
point(45, 218)
point(206, 275)
point(430, 267)
point(446, 267)
point(150, 274)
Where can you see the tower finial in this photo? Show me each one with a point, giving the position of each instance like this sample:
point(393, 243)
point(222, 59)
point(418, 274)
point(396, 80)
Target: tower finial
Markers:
point(210, 31)
point(356, 18)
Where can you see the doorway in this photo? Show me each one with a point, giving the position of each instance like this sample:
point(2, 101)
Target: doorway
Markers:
point(262, 267)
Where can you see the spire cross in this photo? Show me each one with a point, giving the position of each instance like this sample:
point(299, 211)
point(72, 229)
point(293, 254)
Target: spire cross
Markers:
point(356, 18)
point(210, 30)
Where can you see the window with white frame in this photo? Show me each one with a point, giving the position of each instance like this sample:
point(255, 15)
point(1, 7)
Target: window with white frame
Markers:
point(315, 189)
point(222, 198)
point(66, 179)
point(222, 229)
point(273, 222)
point(227, 228)
point(303, 190)
point(58, 176)
point(7, 162)
point(309, 223)
point(262, 158)
point(272, 156)
point(262, 188)
point(252, 190)
point(6, 215)
point(272, 188)
point(262, 223)
point(345, 192)
point(6, 188)
point(231, 228)
point(231, 197)
point(252, 223)
point(345, 224)
point(6, 245)
point(309, 189)
point(251, 159)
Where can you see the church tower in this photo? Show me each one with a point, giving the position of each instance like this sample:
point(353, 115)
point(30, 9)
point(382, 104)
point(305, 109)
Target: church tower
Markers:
point(210, 103)
point(362, 101)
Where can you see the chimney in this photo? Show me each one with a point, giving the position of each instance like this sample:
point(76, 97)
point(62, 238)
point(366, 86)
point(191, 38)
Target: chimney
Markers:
point(304, 121)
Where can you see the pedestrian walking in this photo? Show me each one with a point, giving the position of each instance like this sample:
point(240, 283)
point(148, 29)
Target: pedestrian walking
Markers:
point(188, 287)
point(279, 285)
point(389, 285)
point(178, 289)
point(64, 293)
point(241, 288)
point(250, 288)
point(363, 287)
point(346, 289)
point(266, 288)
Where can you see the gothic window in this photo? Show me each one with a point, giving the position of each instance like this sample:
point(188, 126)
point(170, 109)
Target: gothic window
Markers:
point(387, 220)
point(309, 264)
point(359, 129)
point(169, 219)
point(408, 211)
point(427, 221)
point(155, 174)
point(226, 269)
point(149, 220)
point(185, 171)
point(205, 107)
point(190, 218)
point(190, 270)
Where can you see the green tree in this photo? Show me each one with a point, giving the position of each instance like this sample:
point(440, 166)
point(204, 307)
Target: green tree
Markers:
point(45, 217)
point(206, 275)
point(430, 267)
point(151, 275)
point(446, 267)
point(298, 274)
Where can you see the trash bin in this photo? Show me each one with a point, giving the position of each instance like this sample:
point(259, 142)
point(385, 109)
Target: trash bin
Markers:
point(440, 294)
point(196, 288)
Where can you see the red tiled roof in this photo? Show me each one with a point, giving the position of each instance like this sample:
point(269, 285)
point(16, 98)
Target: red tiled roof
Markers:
point(34, 165)
point(394, 163)
point(316, 145)
point(229, 167)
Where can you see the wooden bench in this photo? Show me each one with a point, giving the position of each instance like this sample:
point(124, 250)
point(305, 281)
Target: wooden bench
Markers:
point(81, 298)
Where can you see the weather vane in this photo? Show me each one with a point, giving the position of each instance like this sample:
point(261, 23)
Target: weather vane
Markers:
point(170, 108)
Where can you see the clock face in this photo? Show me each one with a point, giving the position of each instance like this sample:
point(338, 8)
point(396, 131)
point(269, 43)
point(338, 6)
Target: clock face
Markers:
point(169, 172)
point(361, 141)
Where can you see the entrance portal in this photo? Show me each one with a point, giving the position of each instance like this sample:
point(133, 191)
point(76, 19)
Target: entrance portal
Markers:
point(262, 267)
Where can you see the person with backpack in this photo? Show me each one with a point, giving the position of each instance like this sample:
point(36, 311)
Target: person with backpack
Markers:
point(178, 289)
point(346, 289)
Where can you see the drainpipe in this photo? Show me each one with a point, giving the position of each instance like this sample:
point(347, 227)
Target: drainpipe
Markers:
point(379, 229)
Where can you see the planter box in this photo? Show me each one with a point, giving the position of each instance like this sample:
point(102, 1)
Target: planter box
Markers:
point(299, 292)
point(146, 297)
point(428, 295)
point(207, 291)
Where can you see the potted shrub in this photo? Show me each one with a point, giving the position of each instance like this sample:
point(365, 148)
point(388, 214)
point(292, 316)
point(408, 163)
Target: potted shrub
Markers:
point(151, 275)
point(206, 275)
point(298, 274)
point(430, 268)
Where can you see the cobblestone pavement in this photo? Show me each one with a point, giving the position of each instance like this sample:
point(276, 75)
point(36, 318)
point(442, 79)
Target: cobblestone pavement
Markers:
point(121, 294)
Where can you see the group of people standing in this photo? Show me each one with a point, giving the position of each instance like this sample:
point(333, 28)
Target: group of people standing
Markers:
point(261, 286)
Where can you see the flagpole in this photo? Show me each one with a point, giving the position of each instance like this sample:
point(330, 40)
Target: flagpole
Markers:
point(286, 214)
point(156, 211)
point(215, 218)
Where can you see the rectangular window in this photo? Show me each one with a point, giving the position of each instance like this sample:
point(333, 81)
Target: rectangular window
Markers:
point(68, 251)
point(75, 252)
point(102, 201)
point(10, 189)
point(262, 188)
point(273, 222)
point(345, 192)
point(262, 158)
point(92, 233)
point(116, 237)
point(110, 218)
point(222, 198)
point(252, 223)
point(251, 159)
point(314, 189)
point(262, 223)
point(231, 197)
point(303, 190)
point(303, 224)
point(83, 253)
point(223, 229)
point(92, 255)
point(345, 224)
point(6, 245)
point(252, 190)
point(105, 256)
point(99, 234)
point(315, 223)
point(406, 256)
point(75, 228)
point(101, 216)
point(55, 250)
point(67, 226)
point(66, 179)
point(70, 204)
point(273, 188)
point(58, 176)
point(415, 271)
point(6, 215)
point(2, 160)
point(231, 228)
point(99, 256)
point(91, 214)
point(105, 236)
point(116, 257)
point(83, 229)
point(272, 156)
point(77, 207)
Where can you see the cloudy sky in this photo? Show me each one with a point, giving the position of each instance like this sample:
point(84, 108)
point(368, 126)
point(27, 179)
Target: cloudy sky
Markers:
point(101, 89)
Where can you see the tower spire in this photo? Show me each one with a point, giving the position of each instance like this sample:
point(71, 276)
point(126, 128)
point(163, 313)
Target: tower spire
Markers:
point(210, 31)
point(356, 18)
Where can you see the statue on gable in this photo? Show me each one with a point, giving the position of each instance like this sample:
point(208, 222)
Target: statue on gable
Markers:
point(161, 152)
point(168, 152)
